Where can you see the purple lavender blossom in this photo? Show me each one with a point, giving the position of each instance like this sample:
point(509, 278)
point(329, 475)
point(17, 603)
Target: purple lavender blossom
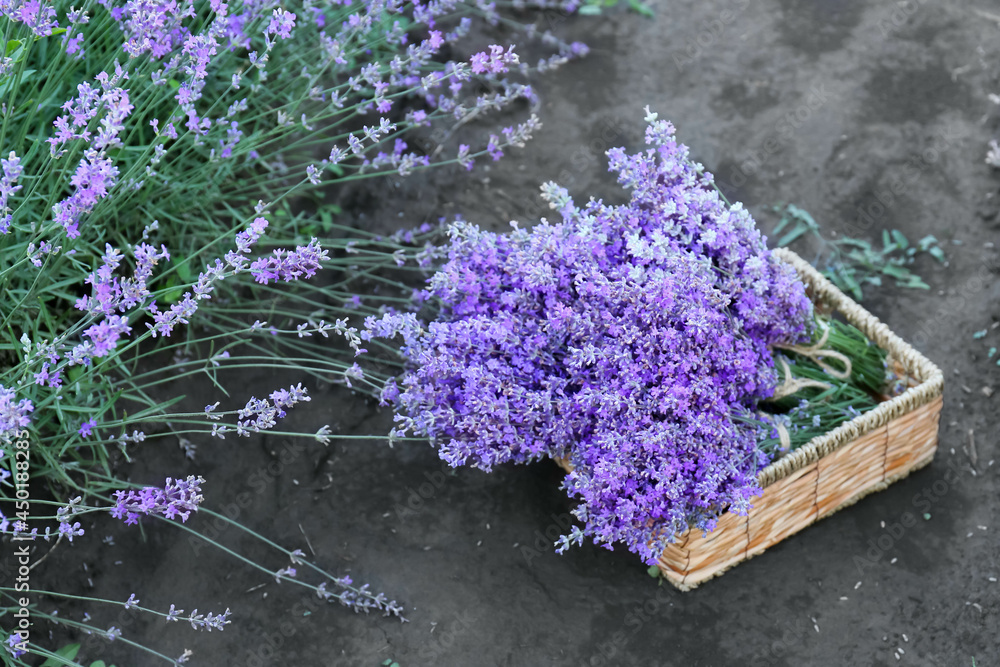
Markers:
point(87, 427)
point(13, 413)
point(14, 643)
point(95, 174)
point(493, 62)
point(178, 498)
point(40, 18)
point(12, 170)
point(282, 23)
point(105, 334)
point(631, 339)
point(301, 263)
point(259, 414)
point(70, 530)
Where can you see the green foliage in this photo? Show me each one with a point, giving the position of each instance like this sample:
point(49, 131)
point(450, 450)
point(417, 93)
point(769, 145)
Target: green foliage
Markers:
point(67, 656)
point(595, 7)
point(850, 263)
point(814, 410)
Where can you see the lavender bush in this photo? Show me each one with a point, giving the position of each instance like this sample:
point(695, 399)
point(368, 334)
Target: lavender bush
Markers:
point(632, 340)
point(136, 138)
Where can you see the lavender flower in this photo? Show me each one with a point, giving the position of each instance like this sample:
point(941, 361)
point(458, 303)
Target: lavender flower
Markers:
point(281, 24)
point(494, 62)
point(178, 498)
point(70, 530)
point(14, 643)
point(12, 170)
point(86, 428)
point(631, 339)
point(104, 335)
point(301, 263)
point(13, 412)
point(40, 18)
point(208, 621)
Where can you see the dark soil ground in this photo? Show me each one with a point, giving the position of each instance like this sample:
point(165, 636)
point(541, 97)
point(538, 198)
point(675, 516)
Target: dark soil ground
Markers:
point(836, 106)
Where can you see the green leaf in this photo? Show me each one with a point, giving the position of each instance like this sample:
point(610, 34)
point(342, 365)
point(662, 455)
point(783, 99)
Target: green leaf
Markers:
point(803, 215)
point(97, 663)
point(326, 220)
point(5, 84)
point(897, 272)
point(642, 8)
point(785, 219)
point(589, 10)
point(56, 31)
point(174, 83)
point(67, 652)
point(900, 239)
point(857, 243)
point(653, 571)
point(185, 272)
point(826, 393)
point(12, 46)
point(926, 242)
point(852, 285)
point(173, 295)
point(74, 373)
point(792, 235)
point(780, 226)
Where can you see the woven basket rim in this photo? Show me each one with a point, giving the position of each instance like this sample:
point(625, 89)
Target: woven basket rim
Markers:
point(930, 379)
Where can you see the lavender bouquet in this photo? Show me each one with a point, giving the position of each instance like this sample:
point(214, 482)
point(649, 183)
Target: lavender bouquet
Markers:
point(634, 340)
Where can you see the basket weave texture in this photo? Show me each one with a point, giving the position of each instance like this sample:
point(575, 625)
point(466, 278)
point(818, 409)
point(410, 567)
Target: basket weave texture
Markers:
point(831, 471)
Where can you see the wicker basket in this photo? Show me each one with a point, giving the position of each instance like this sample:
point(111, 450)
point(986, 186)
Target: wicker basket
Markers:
point(832, 471)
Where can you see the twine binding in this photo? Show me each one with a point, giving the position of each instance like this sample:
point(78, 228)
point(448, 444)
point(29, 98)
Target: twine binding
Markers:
point(817, 354)
point(792, 385)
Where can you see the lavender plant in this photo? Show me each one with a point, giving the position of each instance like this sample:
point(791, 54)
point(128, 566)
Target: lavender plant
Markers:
point(631, 339)
point(135, 138)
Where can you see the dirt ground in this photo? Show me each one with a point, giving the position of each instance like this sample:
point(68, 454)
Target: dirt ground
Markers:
point(869, 115)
